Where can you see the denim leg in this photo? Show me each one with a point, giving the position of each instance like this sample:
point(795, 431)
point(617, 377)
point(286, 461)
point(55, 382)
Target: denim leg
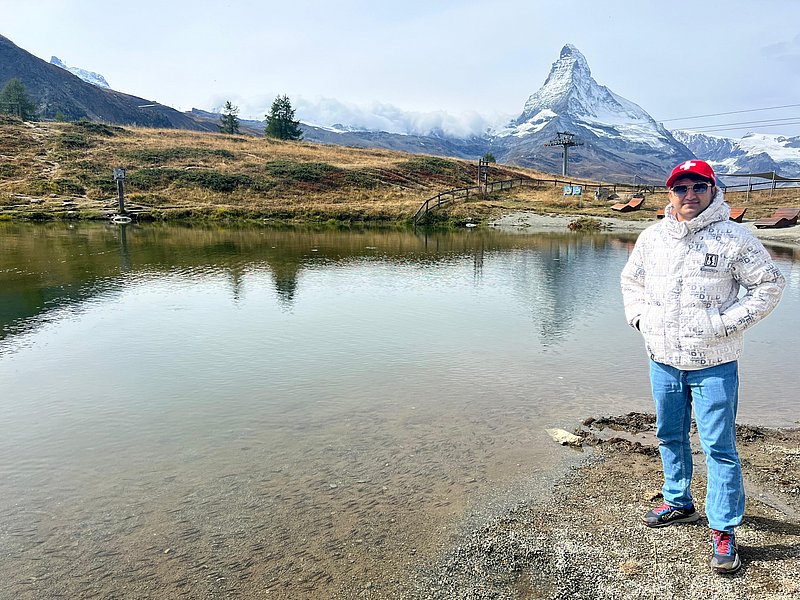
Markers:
point(716, 397)
point(673, 403)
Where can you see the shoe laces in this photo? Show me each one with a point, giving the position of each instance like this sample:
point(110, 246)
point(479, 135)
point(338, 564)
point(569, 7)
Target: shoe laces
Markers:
point(723, 542)
point(663, 508)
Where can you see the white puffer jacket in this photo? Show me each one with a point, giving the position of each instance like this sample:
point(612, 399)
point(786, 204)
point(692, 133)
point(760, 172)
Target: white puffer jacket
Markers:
point(681, 286)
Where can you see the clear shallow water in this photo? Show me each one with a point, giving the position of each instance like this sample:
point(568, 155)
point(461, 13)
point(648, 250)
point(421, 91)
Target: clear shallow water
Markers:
point(232, 410)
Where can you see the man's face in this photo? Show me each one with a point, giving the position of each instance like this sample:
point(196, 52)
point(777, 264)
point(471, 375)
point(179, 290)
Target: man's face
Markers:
point(687, 206)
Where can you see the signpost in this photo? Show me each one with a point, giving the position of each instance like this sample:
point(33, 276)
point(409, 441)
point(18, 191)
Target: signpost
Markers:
point(483, 175)
point(119, 177)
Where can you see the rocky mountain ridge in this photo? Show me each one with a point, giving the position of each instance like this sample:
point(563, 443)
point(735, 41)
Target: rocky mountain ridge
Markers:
point(57, 92)
point(619, 140)
point(753, 153)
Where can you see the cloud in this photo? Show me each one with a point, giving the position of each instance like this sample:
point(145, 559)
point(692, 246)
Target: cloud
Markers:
point(375, 116)
point(784, 51)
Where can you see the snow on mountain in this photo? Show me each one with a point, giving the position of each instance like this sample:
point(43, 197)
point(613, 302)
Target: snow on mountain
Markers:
point(87, 76)
point(753, 153)
point(619, 138)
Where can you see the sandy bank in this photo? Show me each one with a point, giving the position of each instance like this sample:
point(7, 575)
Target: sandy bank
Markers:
point(528, 222)
point(586, 541)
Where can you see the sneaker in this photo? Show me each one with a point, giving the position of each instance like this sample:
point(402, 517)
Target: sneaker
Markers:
point(726, 552)
point(664, 514)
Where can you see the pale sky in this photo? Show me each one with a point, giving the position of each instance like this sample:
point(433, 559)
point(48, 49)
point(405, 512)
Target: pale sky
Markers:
point(415, 64)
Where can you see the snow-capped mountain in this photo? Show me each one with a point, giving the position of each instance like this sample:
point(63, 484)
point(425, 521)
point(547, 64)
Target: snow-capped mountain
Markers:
point(754, 153)
point(87, 76)
point(620, 140)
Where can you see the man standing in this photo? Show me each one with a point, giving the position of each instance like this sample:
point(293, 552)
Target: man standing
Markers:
point(681, 289)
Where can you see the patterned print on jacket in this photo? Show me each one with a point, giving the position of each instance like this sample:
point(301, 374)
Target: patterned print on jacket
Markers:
point(681, 286)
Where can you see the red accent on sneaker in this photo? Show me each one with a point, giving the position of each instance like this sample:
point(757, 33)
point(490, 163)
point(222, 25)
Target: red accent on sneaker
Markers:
point(723, 542)
point(662, 508)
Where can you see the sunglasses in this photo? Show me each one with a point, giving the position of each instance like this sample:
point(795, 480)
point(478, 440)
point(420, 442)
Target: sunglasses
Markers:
point(697, 188)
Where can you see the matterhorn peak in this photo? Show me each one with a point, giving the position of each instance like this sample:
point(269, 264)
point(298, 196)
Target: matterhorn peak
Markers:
point(617, 136)
point(569, 88)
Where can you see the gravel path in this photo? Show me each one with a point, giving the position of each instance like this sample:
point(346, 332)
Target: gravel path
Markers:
point(586, 541)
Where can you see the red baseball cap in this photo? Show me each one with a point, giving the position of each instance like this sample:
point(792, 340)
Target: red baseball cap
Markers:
point(697, 167)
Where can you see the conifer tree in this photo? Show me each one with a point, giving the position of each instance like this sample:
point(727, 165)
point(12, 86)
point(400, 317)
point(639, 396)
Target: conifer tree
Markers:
point(229, 121)
point(280, 121)
point(14, 100)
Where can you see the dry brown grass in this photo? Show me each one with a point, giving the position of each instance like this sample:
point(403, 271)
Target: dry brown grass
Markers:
point(177, 173)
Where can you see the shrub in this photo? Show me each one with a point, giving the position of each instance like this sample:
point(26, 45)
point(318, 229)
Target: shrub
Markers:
point(163, 155)
point(361, 179)
point(215, 181)
point(74, 141)
point(68, 186)
point(309, 172)
point(428, 165)
point(8, 170)
point(585, 224)
point(149, 179)
point(97, 128)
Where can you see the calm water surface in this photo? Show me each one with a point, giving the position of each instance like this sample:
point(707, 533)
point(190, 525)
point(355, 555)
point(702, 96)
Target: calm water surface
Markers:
point(290, 413)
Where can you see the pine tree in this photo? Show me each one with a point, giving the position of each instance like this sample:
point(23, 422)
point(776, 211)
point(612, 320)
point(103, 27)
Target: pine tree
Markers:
point(229, 121)
point(280, 121)
point(14, 100)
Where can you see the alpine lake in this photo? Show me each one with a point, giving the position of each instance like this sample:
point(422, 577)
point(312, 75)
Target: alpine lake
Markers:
point(203, 412)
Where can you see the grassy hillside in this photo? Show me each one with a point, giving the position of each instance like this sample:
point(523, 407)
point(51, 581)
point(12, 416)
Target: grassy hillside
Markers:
point(64, 170)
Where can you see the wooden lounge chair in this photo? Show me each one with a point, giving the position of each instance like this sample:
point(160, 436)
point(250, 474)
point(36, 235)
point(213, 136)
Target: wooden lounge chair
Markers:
point(783, 217)
point(737, 214)
point(634, 203)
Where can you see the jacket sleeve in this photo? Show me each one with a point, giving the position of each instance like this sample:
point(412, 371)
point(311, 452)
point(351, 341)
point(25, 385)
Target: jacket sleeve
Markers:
point(755, 271)
point(632, 282)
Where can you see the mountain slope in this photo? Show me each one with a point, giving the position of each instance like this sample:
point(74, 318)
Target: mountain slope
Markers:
point(620, 139)
point(754, 153)
point(55, 90)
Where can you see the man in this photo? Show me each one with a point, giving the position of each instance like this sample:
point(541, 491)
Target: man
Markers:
point(681, 289)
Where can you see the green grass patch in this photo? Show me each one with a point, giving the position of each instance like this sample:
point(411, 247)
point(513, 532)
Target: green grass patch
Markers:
point(165, 155)
point(429, 165)
point(361, 179)
point(86, 126)
point(309, 172)
point(74, 141)
point(67, 186)
point(8, 170)
point(149, 179)
point(585, 224)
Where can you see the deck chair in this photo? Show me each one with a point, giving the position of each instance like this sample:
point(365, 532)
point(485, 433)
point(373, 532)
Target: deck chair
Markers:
point(737, 214)
point(783, 217)
point(634, 203)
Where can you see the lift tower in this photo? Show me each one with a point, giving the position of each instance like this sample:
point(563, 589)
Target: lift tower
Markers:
point(566, 140)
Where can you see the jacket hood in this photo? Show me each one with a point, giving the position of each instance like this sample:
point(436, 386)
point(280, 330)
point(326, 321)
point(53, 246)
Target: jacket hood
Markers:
point(718, 210)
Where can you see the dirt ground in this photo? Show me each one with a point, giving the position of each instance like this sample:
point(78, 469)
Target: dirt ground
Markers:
point(528, 222)
point(586, 541)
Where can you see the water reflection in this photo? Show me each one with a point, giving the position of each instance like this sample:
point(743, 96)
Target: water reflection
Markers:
point(50, 267)
point(244, 397)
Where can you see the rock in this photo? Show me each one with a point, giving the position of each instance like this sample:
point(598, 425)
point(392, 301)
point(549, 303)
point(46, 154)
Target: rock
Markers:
point(565, 438)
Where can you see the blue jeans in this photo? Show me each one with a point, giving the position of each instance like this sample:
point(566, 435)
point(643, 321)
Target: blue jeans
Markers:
point(714, 392)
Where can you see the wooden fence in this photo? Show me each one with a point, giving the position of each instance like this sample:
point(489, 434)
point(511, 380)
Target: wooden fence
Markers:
point(450, 196)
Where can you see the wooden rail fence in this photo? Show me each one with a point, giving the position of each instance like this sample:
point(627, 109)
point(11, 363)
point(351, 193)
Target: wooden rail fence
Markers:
point(449, 196)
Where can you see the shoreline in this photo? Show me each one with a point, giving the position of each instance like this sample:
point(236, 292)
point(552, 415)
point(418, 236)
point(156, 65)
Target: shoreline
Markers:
point(586, 541)
point(529, 221)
